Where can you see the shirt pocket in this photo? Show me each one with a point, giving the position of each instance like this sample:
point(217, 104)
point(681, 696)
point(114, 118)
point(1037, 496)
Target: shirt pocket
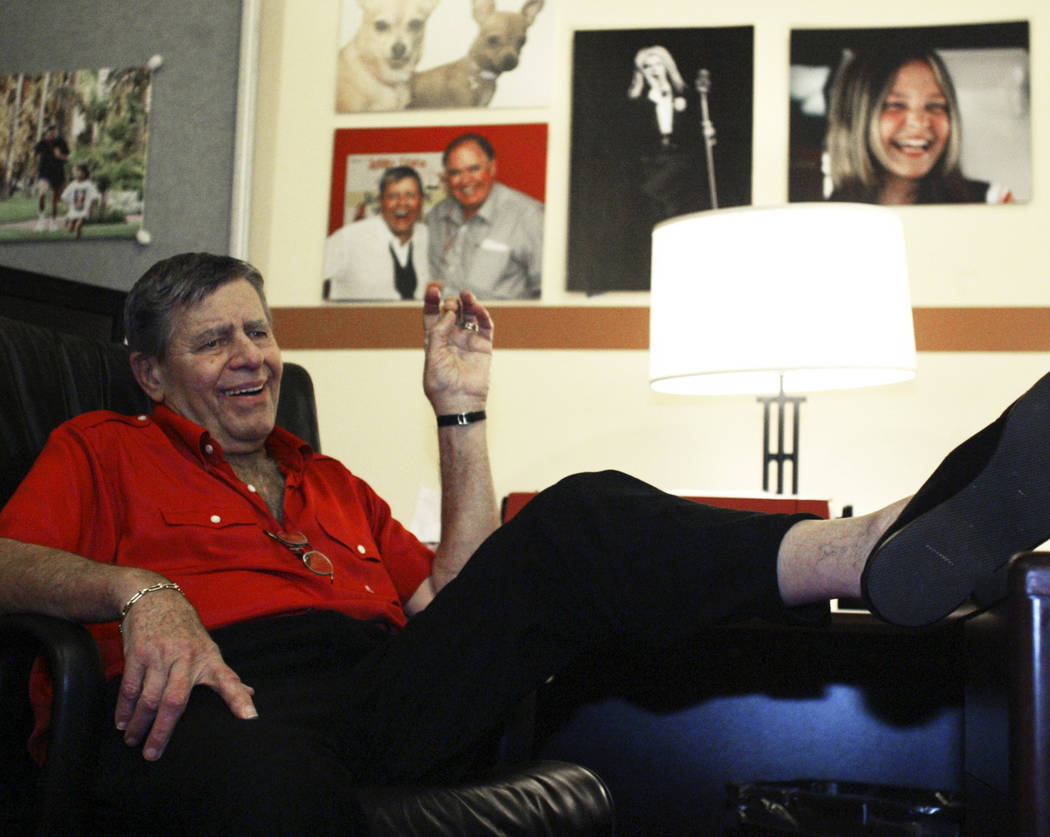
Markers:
point(211, 517)
point(491, 245)
point(357, 541)
point(191, 539)
point(366, 574)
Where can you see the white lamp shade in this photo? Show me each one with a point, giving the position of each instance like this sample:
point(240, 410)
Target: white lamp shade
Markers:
point(814, 296)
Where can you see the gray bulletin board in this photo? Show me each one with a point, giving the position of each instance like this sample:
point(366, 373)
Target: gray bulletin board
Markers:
point(193, 146)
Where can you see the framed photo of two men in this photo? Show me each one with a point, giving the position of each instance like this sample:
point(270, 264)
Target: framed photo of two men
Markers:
point(661, 126)
point(463, 205)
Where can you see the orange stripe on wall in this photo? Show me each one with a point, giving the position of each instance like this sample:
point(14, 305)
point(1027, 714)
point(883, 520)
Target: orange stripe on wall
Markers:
point(612, 327)
point(982, 329)
point(517, 327)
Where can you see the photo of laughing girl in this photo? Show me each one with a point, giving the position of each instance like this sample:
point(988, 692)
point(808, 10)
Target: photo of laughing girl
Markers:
point(894, 132)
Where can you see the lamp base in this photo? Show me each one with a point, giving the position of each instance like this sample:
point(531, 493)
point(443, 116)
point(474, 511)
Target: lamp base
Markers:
point(780, 456)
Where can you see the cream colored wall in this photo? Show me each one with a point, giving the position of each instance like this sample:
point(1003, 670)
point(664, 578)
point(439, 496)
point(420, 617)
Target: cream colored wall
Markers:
point(555, 412)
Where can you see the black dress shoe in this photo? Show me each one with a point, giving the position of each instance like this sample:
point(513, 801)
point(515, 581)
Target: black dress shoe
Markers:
point(987, 501)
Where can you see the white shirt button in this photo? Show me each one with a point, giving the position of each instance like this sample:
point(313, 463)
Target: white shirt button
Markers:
point(361, 548)
point(143, 418)
point(209, 449)
point(368, 587)
point(251, 488)
point(216, 519)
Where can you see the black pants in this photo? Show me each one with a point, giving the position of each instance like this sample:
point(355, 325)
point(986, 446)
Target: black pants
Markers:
point(593, 558)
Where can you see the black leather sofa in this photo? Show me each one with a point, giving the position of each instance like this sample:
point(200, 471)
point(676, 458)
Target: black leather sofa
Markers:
point(47, 376)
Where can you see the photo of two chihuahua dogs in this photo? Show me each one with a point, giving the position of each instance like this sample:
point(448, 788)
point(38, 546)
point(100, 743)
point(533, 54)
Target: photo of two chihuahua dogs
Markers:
point(377, 67)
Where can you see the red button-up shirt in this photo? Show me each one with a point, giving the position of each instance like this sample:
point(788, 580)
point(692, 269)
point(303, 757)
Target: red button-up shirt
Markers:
point(155, 492)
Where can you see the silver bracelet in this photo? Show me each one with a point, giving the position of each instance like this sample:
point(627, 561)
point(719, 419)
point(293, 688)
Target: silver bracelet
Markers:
point(153, 588)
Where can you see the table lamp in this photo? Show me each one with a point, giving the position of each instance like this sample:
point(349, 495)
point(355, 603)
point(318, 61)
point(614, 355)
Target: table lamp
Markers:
point(779, 301)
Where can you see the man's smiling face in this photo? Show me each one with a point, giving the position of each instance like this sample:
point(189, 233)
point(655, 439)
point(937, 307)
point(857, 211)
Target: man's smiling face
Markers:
point(400, 205)
point(469, 175)
point(222, 369)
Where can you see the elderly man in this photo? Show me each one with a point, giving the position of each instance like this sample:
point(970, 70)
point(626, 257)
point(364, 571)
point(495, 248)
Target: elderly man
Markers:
point(252, 597)
point(383, 256)
point(484, 237)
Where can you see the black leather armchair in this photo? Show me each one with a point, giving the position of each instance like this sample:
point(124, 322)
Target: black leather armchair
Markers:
point(46, 377)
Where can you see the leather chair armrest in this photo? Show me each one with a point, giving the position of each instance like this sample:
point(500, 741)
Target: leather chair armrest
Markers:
point(76, 713)
point(543, 797)
point(537, 798)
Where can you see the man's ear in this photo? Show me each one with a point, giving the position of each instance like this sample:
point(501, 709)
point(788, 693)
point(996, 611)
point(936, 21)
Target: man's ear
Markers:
point(493, 169)
point(147, 373)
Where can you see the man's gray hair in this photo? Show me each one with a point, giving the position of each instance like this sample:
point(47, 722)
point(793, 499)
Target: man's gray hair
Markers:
point(480, 141)
point(396, 174)
point(172, 285)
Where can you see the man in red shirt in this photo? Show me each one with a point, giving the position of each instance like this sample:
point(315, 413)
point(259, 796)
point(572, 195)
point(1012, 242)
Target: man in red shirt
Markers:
point(206, 547)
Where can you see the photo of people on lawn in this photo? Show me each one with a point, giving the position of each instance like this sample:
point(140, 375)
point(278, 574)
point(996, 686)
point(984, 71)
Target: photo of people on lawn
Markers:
point(73, 154)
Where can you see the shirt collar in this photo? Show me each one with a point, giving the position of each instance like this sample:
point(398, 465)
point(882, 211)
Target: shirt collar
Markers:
point(399, 246)
point(288, 449)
